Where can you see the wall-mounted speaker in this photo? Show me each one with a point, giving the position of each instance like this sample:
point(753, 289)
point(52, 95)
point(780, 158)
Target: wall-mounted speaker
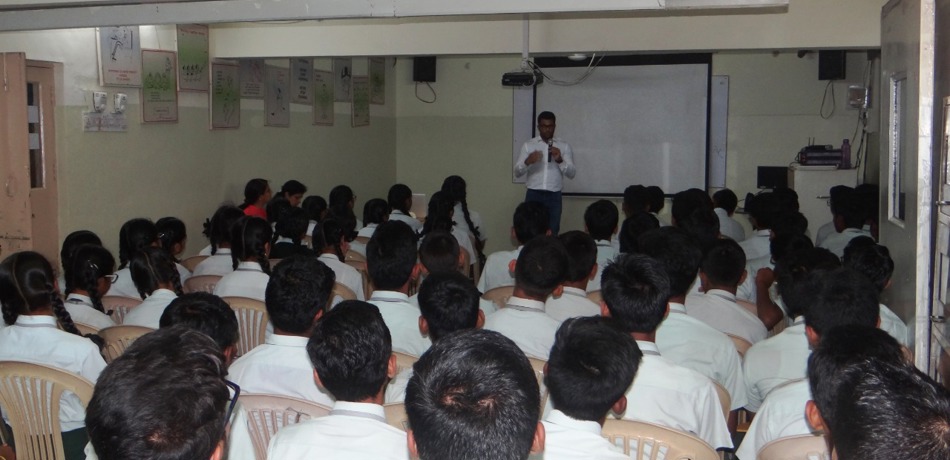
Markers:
point(423, 68)
point(831, 65)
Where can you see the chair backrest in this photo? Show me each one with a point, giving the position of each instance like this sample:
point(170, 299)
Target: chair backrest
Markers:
point(595, 296)
point(265, 414)
point(358, 261)
point(396, 416)
point(646, 441)
point(362, 239)
point(252, 322)
point(30, 394)
point(85, 328)
point(118, 338)
point(499, 295)
point(742, 345)
point(724, 399)
point(538, 366)
point(404, 361)
point(476, 261)
point(119, 306)
point(191, 262)
point(201, 283)
point(804, 447)
point(343, 292)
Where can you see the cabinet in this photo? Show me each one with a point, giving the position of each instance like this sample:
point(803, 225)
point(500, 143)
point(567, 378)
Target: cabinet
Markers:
point(812, 185)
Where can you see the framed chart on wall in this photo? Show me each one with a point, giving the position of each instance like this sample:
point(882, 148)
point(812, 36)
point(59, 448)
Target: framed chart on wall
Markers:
point(159, 88)
point(360, 101)
point(225, 97)
point(120, 56)
point(322, 98)
point(193, 57)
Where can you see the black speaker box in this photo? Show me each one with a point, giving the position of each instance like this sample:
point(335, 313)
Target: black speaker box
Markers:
point(831, 65)
point(423, 68)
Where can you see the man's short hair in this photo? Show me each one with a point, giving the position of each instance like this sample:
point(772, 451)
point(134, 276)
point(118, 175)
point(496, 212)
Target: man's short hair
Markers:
point(633, 227)
point(205, 313)
point(762, 209)
point(541, 266)
point(726, 199)
point(636, 199)
point(298, 289)
point(870, 259)
point(687, 201)
point(448, 302)
point(724, 263)
point(165, 397)
point(350, 348)
point(592, 363)
point(601, 218)
point(546, 115)
point(703, 224)
point(791, 273)
point(391, 255)
point(657, 198)
point(473, 396)
point(581, 254)
point(530, 221)
point(840, 297)
point(678, 252)
point(636, 290)
point(439, 252)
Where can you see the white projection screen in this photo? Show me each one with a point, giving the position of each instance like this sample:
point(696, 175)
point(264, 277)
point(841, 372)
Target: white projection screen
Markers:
point(645, 123)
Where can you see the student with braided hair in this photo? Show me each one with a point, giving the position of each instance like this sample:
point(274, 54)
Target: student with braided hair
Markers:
point(32, 309)
point(329, 241)
point(156, 277)
point(173, 237)
point(135, 235)
point(400, 201)
point(250, 247)
point(90, 277)
point(71, 243)
point(441, 218)
point(455, 187)
point(218, 231)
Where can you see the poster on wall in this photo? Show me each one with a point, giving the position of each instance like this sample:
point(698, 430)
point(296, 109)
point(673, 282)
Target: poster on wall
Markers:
point(377, 81)
point(342, 79)
point(159, 89)
point(322, 98)
point(193, 57)
point(276, 97)
point(225, 96)
point(120, 56)
point(252, 78)
point(302, 71)
point(360, 101)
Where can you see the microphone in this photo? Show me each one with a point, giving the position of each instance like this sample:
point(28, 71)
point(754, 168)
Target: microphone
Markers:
point(550, 144)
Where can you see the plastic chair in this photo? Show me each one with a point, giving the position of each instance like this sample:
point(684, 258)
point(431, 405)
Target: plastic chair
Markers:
point(252, 322)
point(804, 447)
point(742, 345)
point(191, 262)
point(85, 328)
point(725, 400)
point(119, 306)
point(358, 261)
point(595, 296)
point(30, 394)
point(499, 295)
point(538, 366)
point(404, 361)
point(343, 292)
point(201, 283)
point(265, 414)
point(646, 441)
point(118, 338)
point(396, 416)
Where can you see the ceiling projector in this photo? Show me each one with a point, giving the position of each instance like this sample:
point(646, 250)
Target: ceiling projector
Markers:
point(521, 79)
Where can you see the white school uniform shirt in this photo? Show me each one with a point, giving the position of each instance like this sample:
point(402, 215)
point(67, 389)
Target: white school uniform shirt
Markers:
point(748, 290)
point(247, 280)
point(824, 232)
point(676, 397)
point(756, 245)
point(81, 310)
point(836, 242)
point(606, 254)
point(893, 325)
point(345, 274)
point(124, 286)
point(729, 226)
point(774, 361)
point(573, 302)
point(396, 390)
point(409, 220)
point(566, 438)
point(149, 312)
point(36, 339)
point(782, 415)
point(206, 251)
point(688, 342)
point(464, 239)
point(279, 366)
point(459, 214)
point(219, 264)
point(543, 174)
point(496, 274)
point(402, 319)
point(526, 324)
point(366, 232)
point(718, 308)
point(351, 431)
point(183, 273)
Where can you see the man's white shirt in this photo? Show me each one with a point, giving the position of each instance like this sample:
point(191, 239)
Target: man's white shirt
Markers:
point(544, 174)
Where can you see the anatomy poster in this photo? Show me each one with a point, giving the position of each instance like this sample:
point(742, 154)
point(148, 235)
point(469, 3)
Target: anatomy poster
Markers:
point(360, 101)
point(377, 81)
point(120, 56)
point(193, 57)
point(302, 71)
point(252, 78)
point(322, 98)
point(342, 79)
point(225, 96)
point(159, 90)
point(276, 97)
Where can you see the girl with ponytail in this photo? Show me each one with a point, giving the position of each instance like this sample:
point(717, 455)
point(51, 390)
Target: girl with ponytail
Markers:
point(440, 217)
point(250, 247)
point(218, 231)
point(455, 187)
point(90, 277)
point(256, 195)
point(329, 241)
point(135, 235)
point(156, 278)
point(173, 237)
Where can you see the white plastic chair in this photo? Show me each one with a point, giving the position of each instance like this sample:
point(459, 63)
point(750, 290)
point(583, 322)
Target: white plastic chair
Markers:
point(252, 322)
point(265, 414)
point(804, 447)
point(646, 441)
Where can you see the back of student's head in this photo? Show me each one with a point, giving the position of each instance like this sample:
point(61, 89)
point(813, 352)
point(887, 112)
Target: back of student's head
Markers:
point(687, 201)
point(870, 259)
point(171, 234)
point(399, 198)
point(530, 221)
point(151, 269)
point(350, 348)
point(592, 363)
point(250, 241)
point(633, 227)
point(439, 214)
point(636, 199)
point(293, 224)
point(840, 297)
point(218, 229)
point(678, 253)
point(789, 223)
point(541, 267)
point(297, 290)
point(254, 190)
point(206, 313)
point(657, 198)
point(473, 396)
point(455, 187)
point(703, 224)
point(28, 284)
point(636, 289)
point(375, 211)
point(448, 301)
point(341, 201)
point(835, 195)
point(71, 243)
point(868, 197)
point(762, 209)
point(316, 207)
point(850, 210)
point(391, 255)
point(792, 272)
point(581, 254)
point(276, 209)
point(90, 266)
point(601, 218)
point(135, 235)
point(786, 199)
point(724, 263)
point(439, 252)
point(329, 235)
point(137, 411)
point(726, 199)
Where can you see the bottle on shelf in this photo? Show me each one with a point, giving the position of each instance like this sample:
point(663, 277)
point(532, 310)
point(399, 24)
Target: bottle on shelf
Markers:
point(845, 154)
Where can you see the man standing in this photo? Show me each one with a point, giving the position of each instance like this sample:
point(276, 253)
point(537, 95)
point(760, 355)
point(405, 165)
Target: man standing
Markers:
point(545, 159)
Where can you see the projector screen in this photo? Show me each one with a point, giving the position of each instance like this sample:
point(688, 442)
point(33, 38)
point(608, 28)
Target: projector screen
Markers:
point(644, 123)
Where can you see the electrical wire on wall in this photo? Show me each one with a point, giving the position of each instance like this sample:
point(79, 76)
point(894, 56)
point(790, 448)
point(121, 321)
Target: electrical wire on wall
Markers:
point(591, 66)
point(824, 98)
point(434, 96)
point(861, 126)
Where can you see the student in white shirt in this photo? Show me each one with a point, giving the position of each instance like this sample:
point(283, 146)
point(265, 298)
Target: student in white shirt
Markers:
point(316, 207)
point(340, 206)
point(530, 221)
point(330, 242)
point(206, 313)
point(400, 201)
point(218, 231)
point(582, 266)
point(90, 276)
point(156, 277)
point(725, 201)
point(250, 248)
point(761, 211)
point(375, 212)
point(71, 243)
point(874, 261)
point(351, 352)
point(173, 237)
point(849, 220)
point(456, 412)
point(290, 231)
point(591, 365)
point(657, 203)
point(600, 221)
point(440, 217)
point(455, 187)
point(135, 235)
point(293, 192)
point(632, 228)
point(439, 252)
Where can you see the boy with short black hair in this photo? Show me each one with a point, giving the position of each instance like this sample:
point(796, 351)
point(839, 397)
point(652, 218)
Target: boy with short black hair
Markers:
point(207, 313)
point(725, 202)
point(530, 221)
point(600, 221)
point(850, 217)
point(874, 261)
point(582, 266)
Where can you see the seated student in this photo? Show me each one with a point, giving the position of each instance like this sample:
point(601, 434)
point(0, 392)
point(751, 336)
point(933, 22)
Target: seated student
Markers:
point(636, 290)
point(293, 192)
point(156, 278)
point(632, 228)
point(766, 299)
point(657, 202)
point(600, 221)
point(682, 339)
point(276, 209)
point(441, 218)
point(316, 208)
point(455, 188)
point(581, 268)
point(874, 261)
point(32, 309)
point(400, 201)
point(726, 201)
point(205, 313)
point(835, 195)
point(391, 262)
point(290, 233)
point(761, 211)
point(90, 277)
point(439, 252)
point(135, 235)
point(134, 417)
point(456, 413)
point(540, 272)
point(636, 199)
point(329, 241)
point(687, 201)
point(703, 224)
point(173, 238)
point(849, 221)
point(250, 247)
point(721, 272)
point(218, 231)
point(375, 212)
point(868, 197)
point(256, 194)
point(351, 352)
point(530, 221)
point(341, 203)
point(298, 294)
point(592, 363)
point(71, 243)
point(788, 225)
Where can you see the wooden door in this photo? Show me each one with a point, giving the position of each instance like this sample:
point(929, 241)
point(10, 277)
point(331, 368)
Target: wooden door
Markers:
point(41, 137)
point(15, 220)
